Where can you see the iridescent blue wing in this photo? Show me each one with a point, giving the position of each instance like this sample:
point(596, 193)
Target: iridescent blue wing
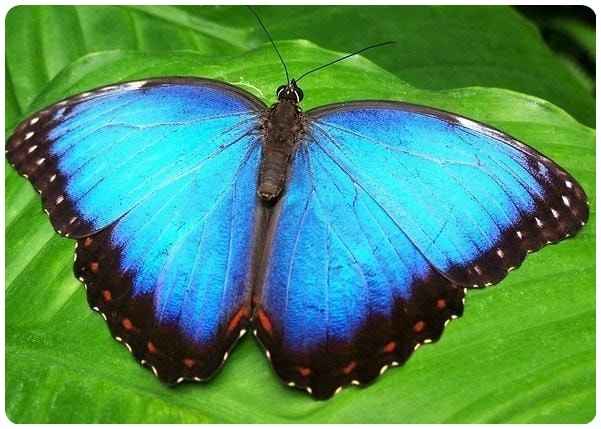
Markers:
point(94, 156)
point(156, 179)
point(391, 211)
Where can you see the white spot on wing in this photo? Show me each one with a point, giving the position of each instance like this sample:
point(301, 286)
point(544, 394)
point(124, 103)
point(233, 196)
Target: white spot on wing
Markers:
point(32, 148)
point(568, 184)
point(40, 161)
point(566, 200)
point(34, 120)
point(29, 135)
point(135, 85)
point(467, 122)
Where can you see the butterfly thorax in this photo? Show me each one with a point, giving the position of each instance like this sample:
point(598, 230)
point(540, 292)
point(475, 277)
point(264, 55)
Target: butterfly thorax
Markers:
point(282, 129)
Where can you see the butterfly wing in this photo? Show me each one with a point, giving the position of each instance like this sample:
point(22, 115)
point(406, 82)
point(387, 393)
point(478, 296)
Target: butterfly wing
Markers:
point(160, 178)
point(172, 275)
point(470, 197)
point(94, 156)
point(391, 211)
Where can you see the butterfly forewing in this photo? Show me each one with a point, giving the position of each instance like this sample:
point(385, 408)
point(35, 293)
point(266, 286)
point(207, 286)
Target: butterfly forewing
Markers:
point(96, 155)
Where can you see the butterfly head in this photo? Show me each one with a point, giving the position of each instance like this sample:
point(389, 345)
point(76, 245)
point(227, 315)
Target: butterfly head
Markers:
point(290, 92)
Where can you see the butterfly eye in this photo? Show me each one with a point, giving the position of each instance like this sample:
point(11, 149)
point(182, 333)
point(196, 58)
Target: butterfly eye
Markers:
point(279, 90)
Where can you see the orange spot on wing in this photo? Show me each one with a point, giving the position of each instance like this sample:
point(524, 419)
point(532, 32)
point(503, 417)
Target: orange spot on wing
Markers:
point(304, 371)
point(87, 241)
point(388, 348)
point(94, 266)
point(106, 295)
point(441, 304)
point(235, 321)
point(350, 367)
point(419, 326)
point(151, 348)
point(189, 362)
point(127, 324)
point(264, 321)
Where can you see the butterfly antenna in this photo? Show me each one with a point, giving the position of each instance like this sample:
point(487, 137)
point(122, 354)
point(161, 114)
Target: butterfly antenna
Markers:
point(271, 40)
point(344, 58)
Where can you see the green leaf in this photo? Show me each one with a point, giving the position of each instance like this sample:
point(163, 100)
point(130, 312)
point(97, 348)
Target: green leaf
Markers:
point(523, 352)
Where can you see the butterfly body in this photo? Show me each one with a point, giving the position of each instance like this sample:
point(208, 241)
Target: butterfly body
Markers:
point(343, 237)
point(282, 130)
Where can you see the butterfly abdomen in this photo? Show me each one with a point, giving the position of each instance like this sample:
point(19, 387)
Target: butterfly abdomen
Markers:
point(282, 129)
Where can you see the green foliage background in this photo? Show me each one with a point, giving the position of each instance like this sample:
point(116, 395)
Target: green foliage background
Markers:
point(523, 352)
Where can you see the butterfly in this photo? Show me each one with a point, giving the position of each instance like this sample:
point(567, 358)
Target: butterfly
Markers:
point(343, 237)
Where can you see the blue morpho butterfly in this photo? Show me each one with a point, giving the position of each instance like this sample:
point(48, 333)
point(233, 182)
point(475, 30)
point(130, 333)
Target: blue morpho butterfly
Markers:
point(343, 237)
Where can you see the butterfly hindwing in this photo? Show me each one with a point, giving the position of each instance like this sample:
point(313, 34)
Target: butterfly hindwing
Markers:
point(94, 156)
point(172, 275)
point(345, 294)
point(389, 214)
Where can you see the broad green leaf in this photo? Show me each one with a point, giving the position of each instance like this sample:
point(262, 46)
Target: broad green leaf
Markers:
point(523, 352)
point(437, 47)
